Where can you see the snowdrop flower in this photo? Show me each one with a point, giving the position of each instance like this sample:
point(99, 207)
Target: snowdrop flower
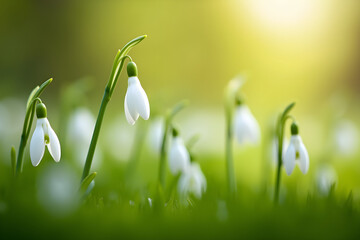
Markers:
point(43, 136)
point(136, 101)
point(274, 150)
point(155, 135)
point(346, 138)
point(326, 177)
point(246, 127)
point(179, 157)
point(192, 181)
point(80, 127)
point(296, 153)
point(56, 191)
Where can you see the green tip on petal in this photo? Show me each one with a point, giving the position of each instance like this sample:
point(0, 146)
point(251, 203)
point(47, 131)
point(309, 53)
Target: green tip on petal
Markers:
point(132, 69)
point(41, 111)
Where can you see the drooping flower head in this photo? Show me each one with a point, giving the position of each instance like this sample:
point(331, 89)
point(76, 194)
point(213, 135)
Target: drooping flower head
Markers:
point(179, 158)
point(192, 181)
point(136, 101)
point(43, 136)
point(296, 152)
point(246, 127)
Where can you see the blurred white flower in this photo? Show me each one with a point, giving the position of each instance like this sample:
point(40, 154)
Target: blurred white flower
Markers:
point(136, 101)
point(43, 136)
point(179, 158)
point(274, 149)
point(246, 127)
point(56, 191)
point(192, 181)
point(11, 117)
point(296, 153)
point(346, 138)
point(119, 139)
point(150, 202)
point(79, 132)
point(155, 135)
point(326, 177)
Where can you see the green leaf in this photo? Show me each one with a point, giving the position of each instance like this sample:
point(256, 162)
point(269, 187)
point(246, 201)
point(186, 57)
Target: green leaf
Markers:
point(31, 96)
point(288, 109)
point(43, 86)
point(86, 182)
point(119, 61)
point(176, 109)
point(13, 159)
point(191, 142)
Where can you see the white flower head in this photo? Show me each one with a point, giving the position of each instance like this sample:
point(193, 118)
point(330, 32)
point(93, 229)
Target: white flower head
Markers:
point(274, 148)
point(246, 127)
point(346, 138)
point(136, 101)
point(326, 178)
point(155, 135)
point(296, 153)
point(192, 181)
point(81, 124)
point(43, 136)
point(179, 157)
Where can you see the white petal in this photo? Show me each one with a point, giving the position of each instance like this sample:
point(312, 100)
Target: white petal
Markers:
point(142, 105)
point(130, 101)
point(179, 158)
point(246, 127)
point(37, 144)
point(304, 159)
point(199, 180)
point(183, 184)
point(54, 145)
point(138, 98)
point(130, 120)
point(289, 159)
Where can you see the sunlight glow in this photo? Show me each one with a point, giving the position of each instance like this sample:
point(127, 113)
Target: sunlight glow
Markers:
point(284, 14)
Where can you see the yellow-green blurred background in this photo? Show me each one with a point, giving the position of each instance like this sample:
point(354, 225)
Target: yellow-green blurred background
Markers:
point(306, 51)
point(301, 49)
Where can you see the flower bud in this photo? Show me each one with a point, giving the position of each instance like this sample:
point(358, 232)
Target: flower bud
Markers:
point(41, 111)
point(294, 129)
point(132, 69)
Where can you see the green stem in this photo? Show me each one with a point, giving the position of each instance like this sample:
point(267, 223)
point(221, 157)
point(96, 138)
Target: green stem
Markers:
point(229, 157)
point(280, 137)
point(231, 97)
point(116, 70)
point(169, 116)
point(95, 136)
point(279, 161)
point(162, 165)
point(29, 117)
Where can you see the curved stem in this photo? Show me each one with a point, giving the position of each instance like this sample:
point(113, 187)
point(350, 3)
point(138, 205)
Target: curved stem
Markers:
point(96, 132)
point(29, 116)
point(115, 72)
point(279, 160)
point(231, 97)
point(162, 164)
point(169, 116)
point(229, 157)
point(280, 135)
